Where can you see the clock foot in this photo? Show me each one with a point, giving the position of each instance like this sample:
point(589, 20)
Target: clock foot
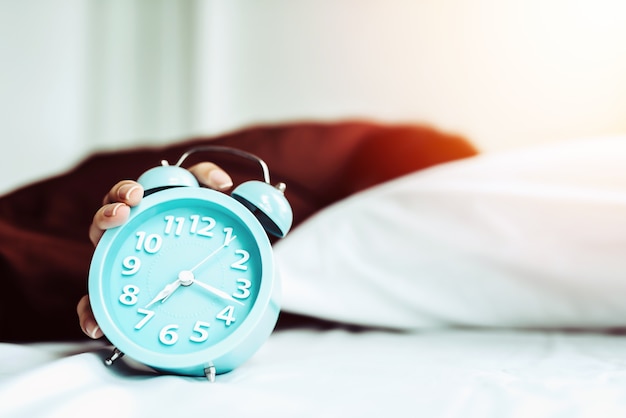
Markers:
point(209, 372)
point(116, 354)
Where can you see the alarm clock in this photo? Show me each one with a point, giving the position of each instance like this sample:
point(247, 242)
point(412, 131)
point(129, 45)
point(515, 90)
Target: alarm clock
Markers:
point(188, 284)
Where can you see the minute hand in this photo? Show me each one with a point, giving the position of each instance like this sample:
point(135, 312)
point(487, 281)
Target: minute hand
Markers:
point(217, 250)
point(217, 292)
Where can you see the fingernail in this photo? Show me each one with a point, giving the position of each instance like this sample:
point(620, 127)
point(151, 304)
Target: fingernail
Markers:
point(220, 180)
point(111, 210)
point(126, 191)
point(91, 329)
point(94, 332)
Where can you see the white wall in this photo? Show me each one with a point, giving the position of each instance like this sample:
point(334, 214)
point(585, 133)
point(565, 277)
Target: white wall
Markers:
point(79, 75)
point(84, 75)
point(504, 73)
point(141, 75)
point(42, 78)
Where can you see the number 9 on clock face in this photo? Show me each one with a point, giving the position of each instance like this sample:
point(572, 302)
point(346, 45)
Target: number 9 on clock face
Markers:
point(184, 280)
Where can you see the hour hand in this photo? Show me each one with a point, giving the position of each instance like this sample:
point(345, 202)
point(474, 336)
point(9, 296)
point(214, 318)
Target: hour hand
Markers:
point(165, 293)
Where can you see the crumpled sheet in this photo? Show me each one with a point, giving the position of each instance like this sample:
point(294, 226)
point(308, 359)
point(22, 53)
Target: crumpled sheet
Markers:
point(337, 373)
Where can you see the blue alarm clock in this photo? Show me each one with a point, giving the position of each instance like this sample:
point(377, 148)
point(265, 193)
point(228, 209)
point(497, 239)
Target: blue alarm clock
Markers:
point(188, 284)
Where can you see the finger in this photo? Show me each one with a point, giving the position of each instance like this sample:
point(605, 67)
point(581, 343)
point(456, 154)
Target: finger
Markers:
point(86, 319)
point(126, 191)
point(108, 216)
point(212, 176)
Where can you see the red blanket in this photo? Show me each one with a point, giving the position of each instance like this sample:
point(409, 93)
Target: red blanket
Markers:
point(44, 249)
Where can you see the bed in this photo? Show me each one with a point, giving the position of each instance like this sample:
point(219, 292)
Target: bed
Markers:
point(339, 372)
point(483, 286)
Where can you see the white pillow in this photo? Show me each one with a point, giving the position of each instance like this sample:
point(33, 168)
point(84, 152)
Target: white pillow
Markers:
point(530, 238)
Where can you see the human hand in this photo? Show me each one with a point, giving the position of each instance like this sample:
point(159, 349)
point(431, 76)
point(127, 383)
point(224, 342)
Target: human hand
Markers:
point(115, 211)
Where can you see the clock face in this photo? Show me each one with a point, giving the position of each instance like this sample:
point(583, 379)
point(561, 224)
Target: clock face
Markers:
point(180, 277)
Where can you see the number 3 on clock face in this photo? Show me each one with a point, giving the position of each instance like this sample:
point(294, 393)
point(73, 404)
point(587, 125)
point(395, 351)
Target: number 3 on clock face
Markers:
point(184, 280)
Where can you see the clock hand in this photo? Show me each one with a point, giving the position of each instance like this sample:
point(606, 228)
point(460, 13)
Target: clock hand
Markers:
point(185, 278)
point(217, 292)
point(165, 293)
point(218, 249)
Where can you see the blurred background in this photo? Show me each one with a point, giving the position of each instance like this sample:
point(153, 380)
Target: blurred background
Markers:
point(77, 76)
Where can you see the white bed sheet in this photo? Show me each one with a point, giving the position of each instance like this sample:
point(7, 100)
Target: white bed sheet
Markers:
point(337, 373)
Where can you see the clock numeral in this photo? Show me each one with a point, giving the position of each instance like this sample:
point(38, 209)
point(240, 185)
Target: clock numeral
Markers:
point(169, 226)
point(239, 264)
point(148, 315)
point(202, 328)
point(205, 230)
point(226, 315)
point(200, 225)
point(229, 236)
point(149, 243)
point(243, 289)
point(129, 295)
point(168, 335)
point(131, 265)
